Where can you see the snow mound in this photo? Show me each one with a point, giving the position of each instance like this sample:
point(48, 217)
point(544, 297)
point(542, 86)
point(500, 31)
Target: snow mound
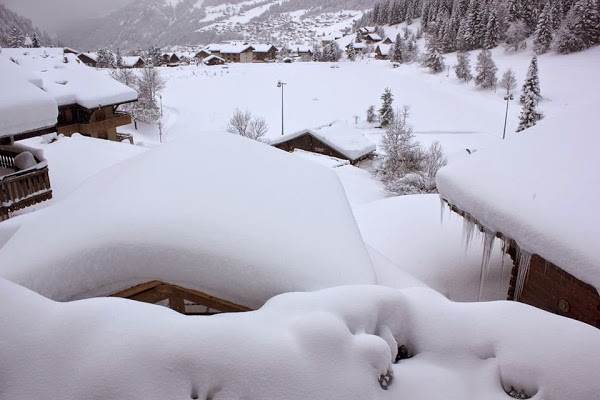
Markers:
point(332, 345)
point(538, 189)
point(408, 231)
point(218, 213)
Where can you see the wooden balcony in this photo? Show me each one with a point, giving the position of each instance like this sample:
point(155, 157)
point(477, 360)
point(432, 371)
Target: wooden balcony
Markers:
point(98, 129)
point(24, 188)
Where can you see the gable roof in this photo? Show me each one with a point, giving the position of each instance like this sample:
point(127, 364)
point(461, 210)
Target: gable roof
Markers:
point(236, 49)
point(384, 49)
point(263, 48)
point(373, 36)
point(339, 135)
point(130, 61)
point(212, 57)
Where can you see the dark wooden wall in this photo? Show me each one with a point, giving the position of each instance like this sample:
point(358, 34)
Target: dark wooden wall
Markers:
point(309, 143)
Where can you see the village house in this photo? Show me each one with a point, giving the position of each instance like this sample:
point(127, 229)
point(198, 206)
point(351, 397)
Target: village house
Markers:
point(202, 54)
point(301, 50)
point(133, 62)
point(550, 231)
point(237, 53)
point(24, 108)
point(358, 47)
point(372, 38)
point(382, 51)
point(264, 52)
point(338, 139)
point(213, 60)
point(361, 33)
point(170, 59)
point(89, 59)
point(87, 100)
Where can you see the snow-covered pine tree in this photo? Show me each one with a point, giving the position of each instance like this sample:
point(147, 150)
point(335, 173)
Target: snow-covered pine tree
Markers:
point(371, 116)
point(433, 60)
point(16, 38)
point(516, 36)
point(531, 86)
point(412, 49)
point(351, 52)
point(386, 112)
point(398, 50)
point(514, 10)
point(580, 29)
point(529, 115)
point(463, 66)
point(102, 60)
point(486, 70)
point(508, 81)
point(409, 16)
point(154, 56)
point(492, 32)
point(35, 41)
point(542, 38)
point(118, 59)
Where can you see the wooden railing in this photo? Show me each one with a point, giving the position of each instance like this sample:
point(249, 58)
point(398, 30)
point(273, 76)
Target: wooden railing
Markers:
point(22, 188)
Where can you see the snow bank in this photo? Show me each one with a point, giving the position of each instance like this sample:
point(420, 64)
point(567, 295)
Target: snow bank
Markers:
point(334, 345)
point(23, 106)
point(218, 213)
point(408, 231)
point(340, 135)
point(537, 189)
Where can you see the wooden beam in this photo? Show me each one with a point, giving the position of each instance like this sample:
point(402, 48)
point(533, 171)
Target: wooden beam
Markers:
point(209, 301)
point(136, 289)
point(176, 303)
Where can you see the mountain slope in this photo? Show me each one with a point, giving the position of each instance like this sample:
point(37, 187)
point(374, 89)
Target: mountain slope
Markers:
point(10, 19)
point(180, 22)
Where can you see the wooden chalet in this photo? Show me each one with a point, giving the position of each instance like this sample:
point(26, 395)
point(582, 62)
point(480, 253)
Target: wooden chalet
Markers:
point(202, 54)
point(237, 53)
point(387, 40)
point(382, 51)
point(338, 140)
point(361, 33)
point(88, 59)
point(213, 60)
point(547, 226)
point(24, 107)
point(264, 53)
point(133, 62)
point(68, 50)
point(372, 38)
point(170, 59)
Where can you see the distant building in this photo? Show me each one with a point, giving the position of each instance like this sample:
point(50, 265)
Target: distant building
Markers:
point(237, 53)
point(133, 62)
point(382, 51)
point(264, 52)
point(213, 60)
point(202, 54)
point(89, 59)
point(170, 59)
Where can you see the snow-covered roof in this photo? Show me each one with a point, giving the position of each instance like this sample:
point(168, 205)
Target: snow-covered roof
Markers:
point(72, 82)
point(130, 61)
point(215, 47)
point(263, 48)
point(367, 29)
point(235, 49)
point(24, 107)
point(384, 49)
point(92, 56)
point(213, 212)
point(339, 135)
point(300, 48)
point(212, 57)
point(540, 189)
point(373, 36)
point(358, 46)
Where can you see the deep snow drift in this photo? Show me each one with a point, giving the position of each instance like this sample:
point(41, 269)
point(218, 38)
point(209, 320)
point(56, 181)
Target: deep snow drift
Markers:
point(229, 216)
point(330, 345)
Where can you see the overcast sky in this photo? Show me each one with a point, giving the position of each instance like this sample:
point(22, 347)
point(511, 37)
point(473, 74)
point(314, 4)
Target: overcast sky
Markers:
point(52, 14)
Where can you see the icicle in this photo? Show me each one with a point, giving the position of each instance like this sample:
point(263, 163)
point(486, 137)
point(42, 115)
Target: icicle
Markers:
point(442, 210)
point(523, 263)
point(469, 228)
point(488, 245)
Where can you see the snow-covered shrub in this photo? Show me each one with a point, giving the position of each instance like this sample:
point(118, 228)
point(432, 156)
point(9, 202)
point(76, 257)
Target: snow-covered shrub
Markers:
point(516, 36)
point(243, 123)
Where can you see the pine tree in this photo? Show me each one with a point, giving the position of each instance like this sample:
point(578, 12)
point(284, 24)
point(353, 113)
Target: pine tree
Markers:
point(492, 34)
point(463, 66)
point(529, 115)
point(398, 53)
point(371, 114)
point(16, 38)
point(542, 37)
point(433, 58)
point(103, 58)
point(581, 28)
point(386, 112)
point(513, 8)
point(351, 52)
point(154, 56)
point(118, 59)
point(486, 70)
point(531, 87)
point(516, 36)
point(35, 42)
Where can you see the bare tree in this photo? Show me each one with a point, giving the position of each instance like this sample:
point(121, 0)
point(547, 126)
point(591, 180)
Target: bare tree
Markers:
point(244, 124)
point(508, 81)
point(150, 83)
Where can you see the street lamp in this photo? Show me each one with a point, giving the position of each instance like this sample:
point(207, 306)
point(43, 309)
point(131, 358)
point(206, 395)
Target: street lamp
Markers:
point(281, 85)
point(508, 98)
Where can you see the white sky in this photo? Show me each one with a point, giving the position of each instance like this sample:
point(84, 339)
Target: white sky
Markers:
point(51, 15)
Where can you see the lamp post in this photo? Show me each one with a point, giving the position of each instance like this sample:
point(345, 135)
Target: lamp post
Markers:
point(508, 98)
point(160, 96)
point(281, 85)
